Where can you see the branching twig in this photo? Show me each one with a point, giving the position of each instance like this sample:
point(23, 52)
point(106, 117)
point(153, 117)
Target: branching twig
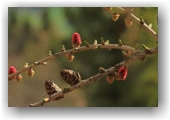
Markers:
point(137, 55)
point(130, 54)
point(74, 50)
point(81, 84)
point(141, 23)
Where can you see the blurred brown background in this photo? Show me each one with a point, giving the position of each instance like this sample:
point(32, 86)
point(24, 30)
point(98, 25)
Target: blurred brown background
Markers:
point(32, 31)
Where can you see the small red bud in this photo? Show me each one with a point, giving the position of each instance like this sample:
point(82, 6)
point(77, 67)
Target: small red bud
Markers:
point(76, 40)
point(12, 70)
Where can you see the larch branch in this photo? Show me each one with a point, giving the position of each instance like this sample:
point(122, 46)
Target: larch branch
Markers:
point(137, 55)
point(141, 23)
point(75, 50)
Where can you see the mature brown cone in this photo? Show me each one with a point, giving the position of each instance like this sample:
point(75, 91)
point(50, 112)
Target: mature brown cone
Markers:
point(70, 76)
point(51, 87)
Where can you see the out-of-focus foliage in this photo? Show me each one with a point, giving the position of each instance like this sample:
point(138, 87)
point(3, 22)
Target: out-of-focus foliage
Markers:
point(32, 31)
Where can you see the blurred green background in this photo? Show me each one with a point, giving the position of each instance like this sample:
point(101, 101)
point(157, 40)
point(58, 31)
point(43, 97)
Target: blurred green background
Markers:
point(32, 31)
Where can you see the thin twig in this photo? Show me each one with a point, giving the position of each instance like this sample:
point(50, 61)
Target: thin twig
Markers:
point(81, 84)
point(135, 56)
point(141, 23)
point(74, 50)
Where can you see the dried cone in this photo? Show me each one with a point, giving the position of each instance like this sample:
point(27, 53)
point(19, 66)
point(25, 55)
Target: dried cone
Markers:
point(128, 21)
point(115, 16)
point(30, 72)
point(70, 76)
point(76, 40)
point(70, 57)
point(110, 78)
point(52, 88)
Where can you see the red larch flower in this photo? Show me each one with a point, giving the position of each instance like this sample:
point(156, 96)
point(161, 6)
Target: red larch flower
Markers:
point(12, 70)
point(122, 73)
point(76, 40)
